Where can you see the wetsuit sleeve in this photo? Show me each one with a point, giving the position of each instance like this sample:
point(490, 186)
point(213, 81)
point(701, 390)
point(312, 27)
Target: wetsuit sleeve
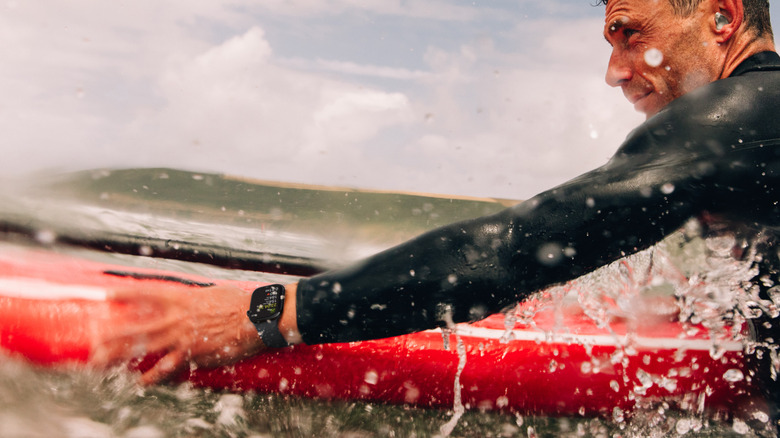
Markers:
point(471, 269)
point(665, 174)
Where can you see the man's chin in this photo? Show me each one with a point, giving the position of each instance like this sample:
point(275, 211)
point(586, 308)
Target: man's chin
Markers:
point(648, 106)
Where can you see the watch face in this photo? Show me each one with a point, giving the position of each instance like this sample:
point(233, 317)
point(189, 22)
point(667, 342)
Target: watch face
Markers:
point(267, 303)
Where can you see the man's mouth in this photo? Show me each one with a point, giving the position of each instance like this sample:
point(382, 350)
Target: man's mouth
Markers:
point(635, 98)
point(640, 102)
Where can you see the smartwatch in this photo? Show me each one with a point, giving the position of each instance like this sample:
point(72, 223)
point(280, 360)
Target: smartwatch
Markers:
point(265, 309)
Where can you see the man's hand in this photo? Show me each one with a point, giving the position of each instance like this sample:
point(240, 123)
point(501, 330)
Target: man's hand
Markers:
point(203, 326)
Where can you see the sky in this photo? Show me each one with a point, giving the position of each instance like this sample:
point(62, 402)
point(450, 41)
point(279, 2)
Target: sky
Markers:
point(484, 98)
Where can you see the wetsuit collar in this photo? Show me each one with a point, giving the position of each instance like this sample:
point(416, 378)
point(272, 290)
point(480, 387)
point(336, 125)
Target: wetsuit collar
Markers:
point(760, 61)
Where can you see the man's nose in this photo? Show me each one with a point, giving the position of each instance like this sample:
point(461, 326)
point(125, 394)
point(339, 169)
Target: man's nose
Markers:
point(618, 70)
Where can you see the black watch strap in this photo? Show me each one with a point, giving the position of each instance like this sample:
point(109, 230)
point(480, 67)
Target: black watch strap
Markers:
point(270, 334)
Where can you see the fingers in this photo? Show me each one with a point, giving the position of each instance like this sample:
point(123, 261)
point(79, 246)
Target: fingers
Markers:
point(167, 367)
point(116, 344)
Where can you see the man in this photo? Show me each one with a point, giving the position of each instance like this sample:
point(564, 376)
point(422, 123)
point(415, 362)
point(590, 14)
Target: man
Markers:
point(705, 73)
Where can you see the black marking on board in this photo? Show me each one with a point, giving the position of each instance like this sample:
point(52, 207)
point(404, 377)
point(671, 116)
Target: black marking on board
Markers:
point(157, 277)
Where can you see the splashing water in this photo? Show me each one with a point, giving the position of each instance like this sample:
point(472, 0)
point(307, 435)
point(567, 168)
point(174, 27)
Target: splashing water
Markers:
point(522, 315)
point(707, 281)
point(457, 408)
point(78, 404)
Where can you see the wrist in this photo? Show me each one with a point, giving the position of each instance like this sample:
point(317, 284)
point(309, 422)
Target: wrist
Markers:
point(272, 312)
point(288, 323)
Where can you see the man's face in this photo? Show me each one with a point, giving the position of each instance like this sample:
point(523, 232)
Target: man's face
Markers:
point(657, 56)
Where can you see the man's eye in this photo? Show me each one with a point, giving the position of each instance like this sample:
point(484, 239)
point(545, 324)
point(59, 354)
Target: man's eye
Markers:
point(630, 32)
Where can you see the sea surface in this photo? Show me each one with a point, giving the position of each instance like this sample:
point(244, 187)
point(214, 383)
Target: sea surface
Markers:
point(78, 403)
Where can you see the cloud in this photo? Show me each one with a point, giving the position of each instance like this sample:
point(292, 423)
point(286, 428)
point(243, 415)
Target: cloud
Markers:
point(352, 68)
point(234, 107)
point(427, 9)
point(202, 86)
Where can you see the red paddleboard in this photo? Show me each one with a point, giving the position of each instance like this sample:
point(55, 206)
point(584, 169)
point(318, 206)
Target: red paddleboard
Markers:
point(557, 362)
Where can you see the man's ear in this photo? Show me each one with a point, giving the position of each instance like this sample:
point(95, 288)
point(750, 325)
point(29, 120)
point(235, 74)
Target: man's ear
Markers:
point(730, 19)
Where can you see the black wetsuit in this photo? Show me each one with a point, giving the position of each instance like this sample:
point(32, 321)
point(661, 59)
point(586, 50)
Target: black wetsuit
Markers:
point(714, 152)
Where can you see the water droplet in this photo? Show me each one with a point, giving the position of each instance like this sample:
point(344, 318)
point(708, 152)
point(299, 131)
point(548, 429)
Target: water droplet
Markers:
point(654, 57)
point(761, 416)
point(740, 427)
point(668, 384)
point(412, 393)
point(717, 351)
point(371, 377)
point(46, 237)
point(733, 375)
point(645, 380)
point(549, 254)
point(667, 189)
point(617, 415)
point(683, 426)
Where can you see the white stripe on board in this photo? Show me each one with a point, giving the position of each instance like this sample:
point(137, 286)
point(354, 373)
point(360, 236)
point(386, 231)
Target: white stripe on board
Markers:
point(641, 342)
point(35, 289)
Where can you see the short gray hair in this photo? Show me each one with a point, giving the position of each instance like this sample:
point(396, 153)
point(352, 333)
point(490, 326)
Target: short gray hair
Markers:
point(756, 13)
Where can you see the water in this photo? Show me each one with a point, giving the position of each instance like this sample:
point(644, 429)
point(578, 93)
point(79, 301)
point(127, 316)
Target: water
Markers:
point(84, 404)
